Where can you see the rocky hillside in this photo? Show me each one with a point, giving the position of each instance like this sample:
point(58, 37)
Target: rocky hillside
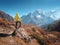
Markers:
point(55, 26)
point(5, 16)
point(26, 35)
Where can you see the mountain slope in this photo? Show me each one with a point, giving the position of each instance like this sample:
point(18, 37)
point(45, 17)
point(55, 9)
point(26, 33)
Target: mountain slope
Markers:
point(55, 26)
point(36, 34)
point(6, 16)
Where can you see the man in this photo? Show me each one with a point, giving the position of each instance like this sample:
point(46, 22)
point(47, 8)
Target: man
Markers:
point(17, 21)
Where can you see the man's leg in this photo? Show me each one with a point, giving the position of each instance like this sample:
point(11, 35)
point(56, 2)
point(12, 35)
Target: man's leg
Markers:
point(16, 25)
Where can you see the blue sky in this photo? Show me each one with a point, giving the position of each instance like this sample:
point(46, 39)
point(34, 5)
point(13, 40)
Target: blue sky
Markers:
point(25, 6)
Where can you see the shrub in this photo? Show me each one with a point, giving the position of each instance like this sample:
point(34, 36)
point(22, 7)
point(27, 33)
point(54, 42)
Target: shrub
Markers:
point(33, 29)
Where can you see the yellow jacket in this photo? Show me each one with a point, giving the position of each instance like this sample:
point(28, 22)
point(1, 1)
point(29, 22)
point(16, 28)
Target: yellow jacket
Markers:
point(17, 18)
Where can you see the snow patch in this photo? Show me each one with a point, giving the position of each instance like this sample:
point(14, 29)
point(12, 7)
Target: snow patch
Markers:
point(38, 16)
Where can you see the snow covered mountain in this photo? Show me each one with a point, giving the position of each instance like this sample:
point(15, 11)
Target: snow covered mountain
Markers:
point(54, 14)
point(38, 18)
point(41, 18)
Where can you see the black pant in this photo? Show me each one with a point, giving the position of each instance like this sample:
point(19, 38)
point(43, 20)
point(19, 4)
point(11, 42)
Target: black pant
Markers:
point(17, 24)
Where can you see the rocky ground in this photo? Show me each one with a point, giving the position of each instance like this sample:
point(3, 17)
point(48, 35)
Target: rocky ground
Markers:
point(26, 35)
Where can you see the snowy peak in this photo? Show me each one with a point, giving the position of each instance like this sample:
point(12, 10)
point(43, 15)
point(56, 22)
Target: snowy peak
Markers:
point(41, 17)
point(38, 18)
point(54, 14)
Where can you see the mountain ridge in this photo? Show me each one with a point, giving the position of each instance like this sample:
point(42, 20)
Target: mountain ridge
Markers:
point(37, 18)
point(5, 16)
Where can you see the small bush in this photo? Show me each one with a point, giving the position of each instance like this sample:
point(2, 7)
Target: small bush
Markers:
point(33, 29)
